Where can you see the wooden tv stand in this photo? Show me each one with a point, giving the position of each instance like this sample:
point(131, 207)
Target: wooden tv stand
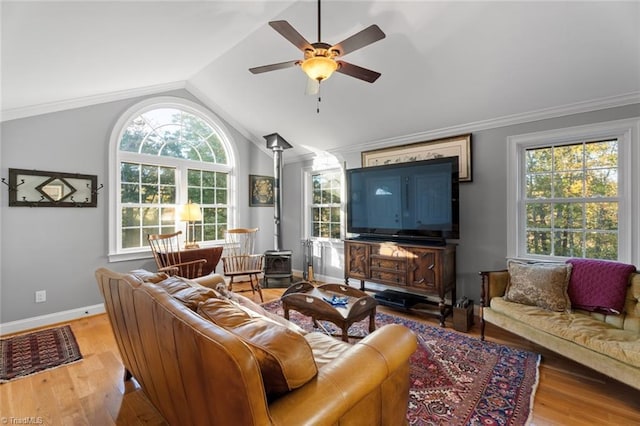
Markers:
point(417, 269)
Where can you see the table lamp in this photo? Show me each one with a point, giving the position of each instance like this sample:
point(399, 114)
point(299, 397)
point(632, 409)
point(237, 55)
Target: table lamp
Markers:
point(190, 213)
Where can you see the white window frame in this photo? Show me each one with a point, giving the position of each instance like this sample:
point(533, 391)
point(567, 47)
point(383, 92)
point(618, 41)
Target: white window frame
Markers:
point(307, 218)
point(116, 253)
point(627, 133)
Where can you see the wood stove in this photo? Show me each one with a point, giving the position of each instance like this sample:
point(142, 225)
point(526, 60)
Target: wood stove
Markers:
point(277, 262)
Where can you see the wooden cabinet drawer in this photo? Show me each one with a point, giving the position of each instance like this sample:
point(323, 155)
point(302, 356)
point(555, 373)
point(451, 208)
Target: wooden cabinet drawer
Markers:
point(386, 276)
point(386, 262)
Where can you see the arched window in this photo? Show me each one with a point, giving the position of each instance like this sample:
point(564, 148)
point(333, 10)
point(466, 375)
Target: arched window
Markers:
point(168, 152)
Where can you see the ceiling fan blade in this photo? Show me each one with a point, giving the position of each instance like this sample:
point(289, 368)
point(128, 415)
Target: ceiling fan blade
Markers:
point(313, 87)
point(273, 67)
point(357, 72)
point(287, 31)
point(359, 40)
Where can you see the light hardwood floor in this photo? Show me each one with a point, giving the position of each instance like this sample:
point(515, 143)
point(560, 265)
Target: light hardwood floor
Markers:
point(92, 391)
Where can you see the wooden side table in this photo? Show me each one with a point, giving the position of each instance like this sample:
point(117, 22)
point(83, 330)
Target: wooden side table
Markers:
point(312, 301)
point(211, 254)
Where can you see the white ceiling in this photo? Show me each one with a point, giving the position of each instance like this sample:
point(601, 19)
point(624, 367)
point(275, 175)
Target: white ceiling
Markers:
point(445, 66)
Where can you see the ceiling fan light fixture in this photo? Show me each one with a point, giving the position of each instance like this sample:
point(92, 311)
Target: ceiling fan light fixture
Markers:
point(319, 67)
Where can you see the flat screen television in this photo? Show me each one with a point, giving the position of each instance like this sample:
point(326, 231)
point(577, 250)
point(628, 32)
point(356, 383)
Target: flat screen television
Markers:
point(415, 201)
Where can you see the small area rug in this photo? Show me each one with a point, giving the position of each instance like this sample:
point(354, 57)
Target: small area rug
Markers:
point(34, 352)
point(456, 379)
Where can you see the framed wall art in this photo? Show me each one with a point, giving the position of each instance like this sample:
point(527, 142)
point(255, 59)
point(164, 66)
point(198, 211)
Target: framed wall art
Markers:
point(447, 147)
point(38, 188)
point(261, 191)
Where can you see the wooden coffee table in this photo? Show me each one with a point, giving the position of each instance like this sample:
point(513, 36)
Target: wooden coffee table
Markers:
point(313, 301)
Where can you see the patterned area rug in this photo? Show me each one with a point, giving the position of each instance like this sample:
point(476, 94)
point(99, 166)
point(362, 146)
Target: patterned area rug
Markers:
point(456, 379)
point(31, 353)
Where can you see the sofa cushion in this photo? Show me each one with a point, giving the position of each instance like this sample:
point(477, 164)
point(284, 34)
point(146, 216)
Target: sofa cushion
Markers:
point(173, 284)
point(147, 276)
point(192, 296)
point(285, 358)
point(599, 285)
point(186, 291)
point(255, 310)
point(623, 345)
point(539, 284)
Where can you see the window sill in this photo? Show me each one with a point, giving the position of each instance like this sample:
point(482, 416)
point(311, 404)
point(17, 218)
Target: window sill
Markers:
point(539, 259)
point(124, 257)
point(146, 253)
point(326, 242)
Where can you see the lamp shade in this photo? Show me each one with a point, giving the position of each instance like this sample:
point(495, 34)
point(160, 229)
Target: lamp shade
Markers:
point(319, 67)
point(190, 212)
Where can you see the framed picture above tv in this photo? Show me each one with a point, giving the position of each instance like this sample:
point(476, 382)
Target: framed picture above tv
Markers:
point(459, 146)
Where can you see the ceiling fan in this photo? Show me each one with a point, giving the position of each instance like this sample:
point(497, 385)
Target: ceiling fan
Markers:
point(320, 58)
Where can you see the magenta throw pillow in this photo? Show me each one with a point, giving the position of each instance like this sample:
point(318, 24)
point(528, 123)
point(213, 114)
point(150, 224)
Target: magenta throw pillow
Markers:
point(599, 285)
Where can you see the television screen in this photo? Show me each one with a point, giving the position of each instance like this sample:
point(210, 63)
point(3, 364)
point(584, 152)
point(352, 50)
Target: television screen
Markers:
point(415, 200)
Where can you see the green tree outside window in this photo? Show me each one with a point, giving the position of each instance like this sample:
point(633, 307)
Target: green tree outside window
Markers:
point(168, 152)
point(571, 200)
point(326, 204)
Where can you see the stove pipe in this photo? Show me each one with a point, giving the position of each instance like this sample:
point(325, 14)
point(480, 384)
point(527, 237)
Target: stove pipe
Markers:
point(277, 144)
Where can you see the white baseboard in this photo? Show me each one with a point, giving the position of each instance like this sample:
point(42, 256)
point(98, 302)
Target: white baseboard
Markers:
point(72, 314)
point(49, 319)
point(329, 279)
point(320, 277)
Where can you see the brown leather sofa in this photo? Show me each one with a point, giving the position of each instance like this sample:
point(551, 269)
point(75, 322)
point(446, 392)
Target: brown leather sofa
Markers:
point(245, 366)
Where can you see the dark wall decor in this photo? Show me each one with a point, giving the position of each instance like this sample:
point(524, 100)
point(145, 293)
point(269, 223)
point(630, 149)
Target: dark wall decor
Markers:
point(459, 146)
point(37, 188)
point(260, 191)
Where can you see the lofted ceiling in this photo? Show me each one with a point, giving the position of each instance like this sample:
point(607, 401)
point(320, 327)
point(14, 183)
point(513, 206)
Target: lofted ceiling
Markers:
point(446, 66)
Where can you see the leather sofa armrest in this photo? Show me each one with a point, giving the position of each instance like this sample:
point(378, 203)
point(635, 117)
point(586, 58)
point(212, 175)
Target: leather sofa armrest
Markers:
point(339, 386)
point(211, 280)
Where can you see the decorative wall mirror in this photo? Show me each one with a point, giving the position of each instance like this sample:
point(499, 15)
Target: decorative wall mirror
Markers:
point(36, 188)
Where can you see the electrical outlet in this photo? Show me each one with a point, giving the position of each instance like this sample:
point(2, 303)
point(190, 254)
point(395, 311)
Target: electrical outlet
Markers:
point(41, 296)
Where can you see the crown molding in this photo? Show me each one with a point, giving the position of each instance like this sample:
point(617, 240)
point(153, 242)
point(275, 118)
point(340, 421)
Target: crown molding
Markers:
point(46, 108)
point(508, 120)
point(541, 114)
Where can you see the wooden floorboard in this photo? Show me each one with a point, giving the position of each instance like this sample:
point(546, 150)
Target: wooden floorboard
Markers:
point(92, 392)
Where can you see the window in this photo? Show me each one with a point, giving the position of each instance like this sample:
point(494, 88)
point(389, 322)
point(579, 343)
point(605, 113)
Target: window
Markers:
point(573, 193)
point(571, 200)
point(326, 190)
point(322, 209)
point(168, 154)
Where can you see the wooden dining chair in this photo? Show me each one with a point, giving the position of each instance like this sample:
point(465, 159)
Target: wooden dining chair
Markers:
point(168, 257)
point(240, 259)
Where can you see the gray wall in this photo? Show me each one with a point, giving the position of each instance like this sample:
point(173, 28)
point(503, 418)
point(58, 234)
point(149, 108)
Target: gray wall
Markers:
point(483, 202)
point(483, 208)
point(58, 249)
